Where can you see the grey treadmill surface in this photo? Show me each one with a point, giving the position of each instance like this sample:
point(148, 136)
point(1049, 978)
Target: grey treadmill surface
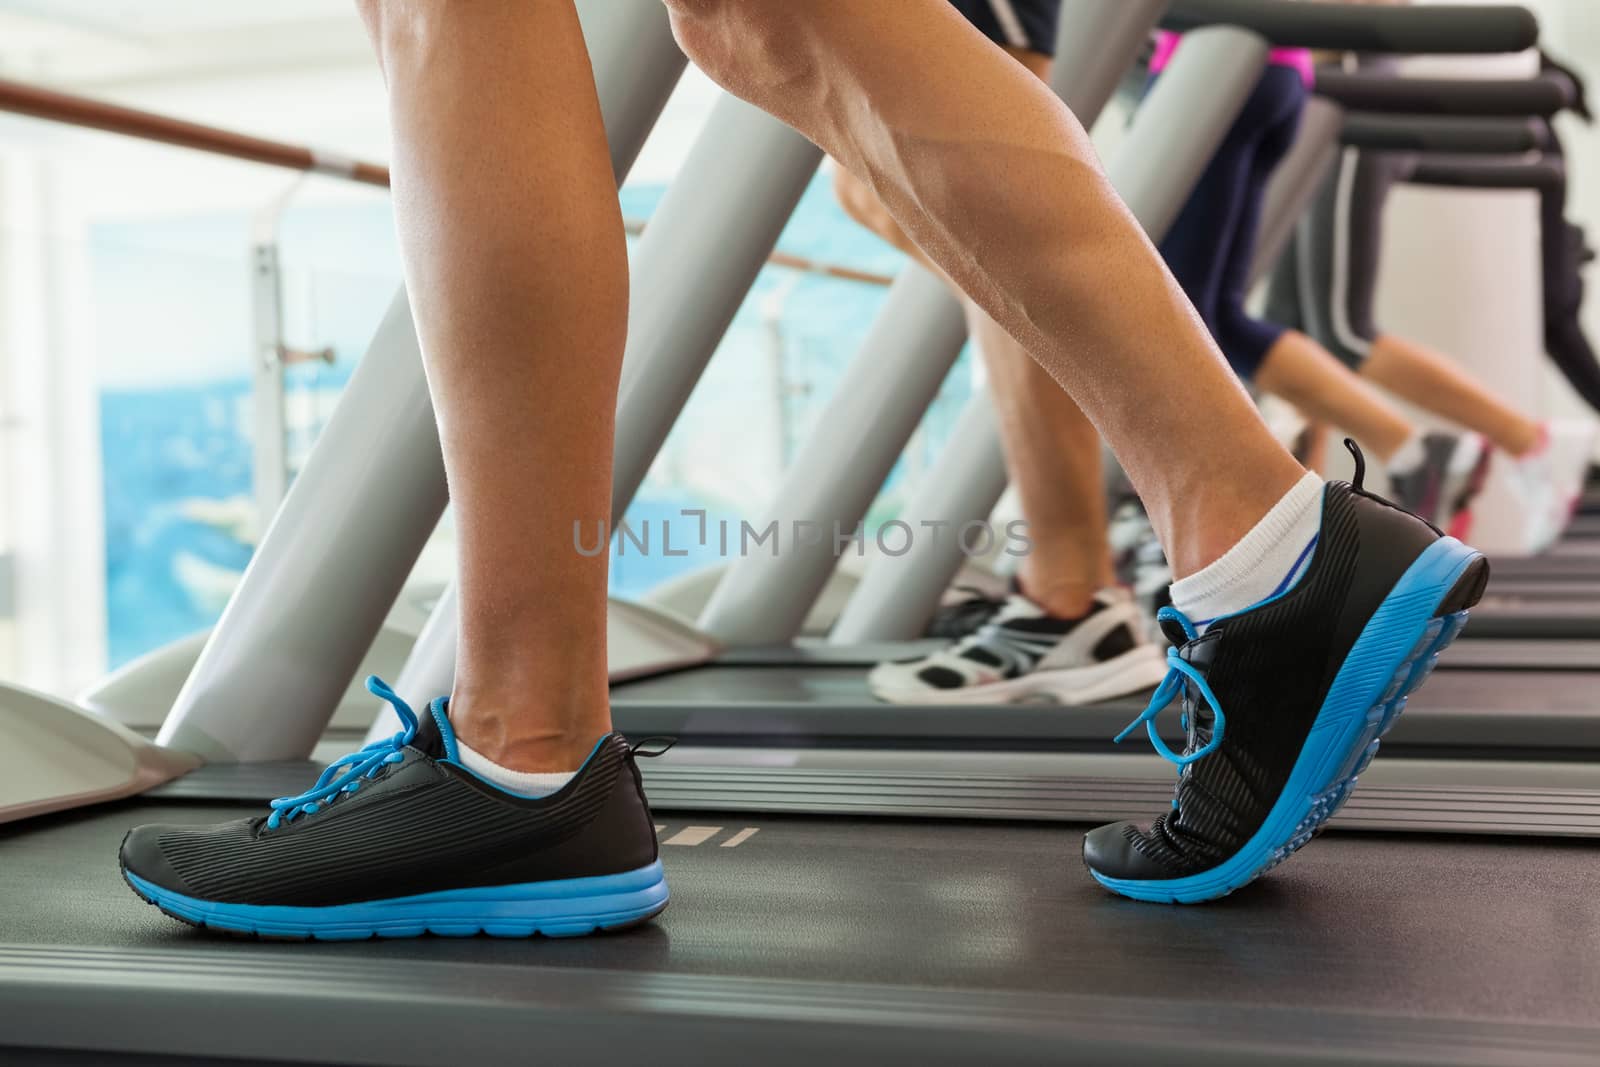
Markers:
point(1502, 654)
point(1580, 548)
point(1553, 586)
point(944, 943)
point(1553, 597)
point(1547, 566)
point(1535, 618)
point(1512, 710)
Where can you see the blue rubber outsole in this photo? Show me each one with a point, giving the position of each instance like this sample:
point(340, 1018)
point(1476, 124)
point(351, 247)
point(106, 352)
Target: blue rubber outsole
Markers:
point(1397, 650)
point(567, 908)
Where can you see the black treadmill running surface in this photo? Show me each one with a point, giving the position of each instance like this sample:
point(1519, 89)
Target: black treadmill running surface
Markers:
point(1439, 928)
point(1506, 710)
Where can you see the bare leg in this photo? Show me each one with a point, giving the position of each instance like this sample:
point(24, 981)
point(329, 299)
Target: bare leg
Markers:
point(1053, 457)
point(1016, 209)
point(1325, 390)
point(517, 270)
point(1052, 450)
point(1314, 445)
point(1431, 381)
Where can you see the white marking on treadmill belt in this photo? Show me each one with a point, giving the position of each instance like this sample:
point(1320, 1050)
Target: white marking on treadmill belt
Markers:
point(740, 838)
point(693, 835)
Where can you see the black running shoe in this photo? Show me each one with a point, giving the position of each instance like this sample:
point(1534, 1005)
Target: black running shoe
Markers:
point(1284, 704)
point(399, 839)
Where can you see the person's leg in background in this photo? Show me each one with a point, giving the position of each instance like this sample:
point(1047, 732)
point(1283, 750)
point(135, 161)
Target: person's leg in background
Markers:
point(1052, 449)
point(1434, 475)
point(1338, 247)
point(1348, 222)
point(1201, 240)
point(1209, 250)
point(1299, 370)
point(1432, 381)
point(1282, 306)
point(1053, 458)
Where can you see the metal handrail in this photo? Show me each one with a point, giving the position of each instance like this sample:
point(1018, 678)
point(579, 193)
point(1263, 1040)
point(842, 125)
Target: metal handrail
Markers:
point(24, 99)
point(73, 110)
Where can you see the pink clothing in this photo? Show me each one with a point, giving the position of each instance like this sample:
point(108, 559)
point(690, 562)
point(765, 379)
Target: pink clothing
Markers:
point(1298, 59)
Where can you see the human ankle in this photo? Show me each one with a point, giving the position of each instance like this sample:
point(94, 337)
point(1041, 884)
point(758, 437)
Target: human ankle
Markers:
point(1261, 564)
point(1212, 521)
point(1529, 441)
point(525, 733)
point(1061, 600)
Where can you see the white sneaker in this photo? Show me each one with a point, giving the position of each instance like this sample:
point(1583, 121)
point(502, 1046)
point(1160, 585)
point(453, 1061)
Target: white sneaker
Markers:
point(1549, 480)
point(1442, 486)
point(1023, 655)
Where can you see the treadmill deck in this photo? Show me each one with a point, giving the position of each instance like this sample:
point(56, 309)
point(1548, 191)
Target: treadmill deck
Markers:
point(1444, 934)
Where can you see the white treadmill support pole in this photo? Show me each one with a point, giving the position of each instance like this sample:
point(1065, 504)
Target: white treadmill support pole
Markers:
point(700, 254)
point(352, 525)
point(1182, 122)
point(917, 334)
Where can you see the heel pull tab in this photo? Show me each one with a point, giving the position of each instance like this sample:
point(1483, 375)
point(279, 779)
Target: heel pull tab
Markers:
point(1361, 464)
point(651, 747)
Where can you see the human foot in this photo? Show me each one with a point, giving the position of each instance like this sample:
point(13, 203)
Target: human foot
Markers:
point(400, 839)
point(1284, 703)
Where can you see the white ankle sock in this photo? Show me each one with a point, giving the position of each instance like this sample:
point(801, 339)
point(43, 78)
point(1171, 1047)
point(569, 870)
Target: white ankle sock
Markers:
point(1263, 563)
point(1409, 456)
point(524, 783)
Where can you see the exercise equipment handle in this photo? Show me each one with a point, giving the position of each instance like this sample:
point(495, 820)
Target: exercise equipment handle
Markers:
point(1450, 134)
point(1434, 29)
point(1543, 96)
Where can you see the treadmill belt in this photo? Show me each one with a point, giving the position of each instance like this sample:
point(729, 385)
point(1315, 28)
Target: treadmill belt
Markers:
point(1575, 549)
point(1444, 928)
point(1546, 587)
point(798, 941)
point(1534, 618)
point(1544, 567)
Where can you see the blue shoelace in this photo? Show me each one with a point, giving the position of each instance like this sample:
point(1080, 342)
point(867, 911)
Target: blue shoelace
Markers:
point(1179, 672)
point(346, 774)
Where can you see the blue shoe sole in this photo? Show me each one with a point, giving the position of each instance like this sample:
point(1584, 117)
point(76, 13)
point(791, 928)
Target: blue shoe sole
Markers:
point(1394, 655)
point(566, 908)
